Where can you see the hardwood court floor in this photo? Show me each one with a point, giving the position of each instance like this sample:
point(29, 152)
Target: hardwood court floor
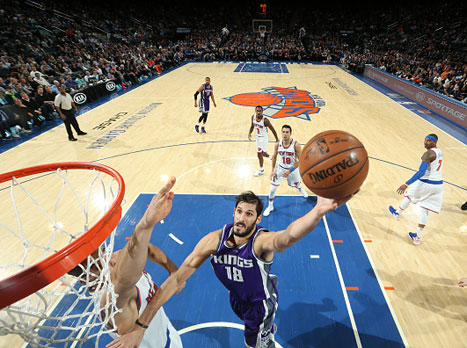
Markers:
point(153, 138)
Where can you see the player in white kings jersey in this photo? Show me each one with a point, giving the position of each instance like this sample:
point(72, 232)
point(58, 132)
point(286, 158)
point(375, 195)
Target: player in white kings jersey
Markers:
point(427, 188)
point(259, 124)
point(284, 164)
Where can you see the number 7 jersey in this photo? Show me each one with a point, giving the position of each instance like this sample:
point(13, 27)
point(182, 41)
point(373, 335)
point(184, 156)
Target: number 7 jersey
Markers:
point(242, 272)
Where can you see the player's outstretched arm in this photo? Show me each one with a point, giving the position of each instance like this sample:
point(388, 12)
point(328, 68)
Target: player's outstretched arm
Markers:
point(205, 247)
point(133, 256)
point(279, 241)
point(156, 255)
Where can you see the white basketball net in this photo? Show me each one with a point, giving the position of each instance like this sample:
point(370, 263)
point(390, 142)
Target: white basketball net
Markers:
point(64, 313)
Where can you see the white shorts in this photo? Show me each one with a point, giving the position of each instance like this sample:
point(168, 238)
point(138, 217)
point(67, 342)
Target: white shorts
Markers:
point(293, 179)
point(262, 144)
point(429, 196)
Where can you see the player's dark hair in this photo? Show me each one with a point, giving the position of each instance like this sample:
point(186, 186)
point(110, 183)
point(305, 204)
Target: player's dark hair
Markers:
point(287, 126)
point(434, 136)
point(259, 106)
point(250, 197)
point(77, 271)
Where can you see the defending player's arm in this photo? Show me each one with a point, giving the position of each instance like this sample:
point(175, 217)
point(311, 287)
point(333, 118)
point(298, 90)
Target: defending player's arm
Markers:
point(134, 254)
point(196, 95)
point(205, 247)
point(252, 128)
point(269, 125)
point(156, 255)
point(428, 157)
point(276, 242)
point(274, 160)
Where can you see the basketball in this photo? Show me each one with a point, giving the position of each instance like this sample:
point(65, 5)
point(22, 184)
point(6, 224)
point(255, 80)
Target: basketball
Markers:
point(333, 164)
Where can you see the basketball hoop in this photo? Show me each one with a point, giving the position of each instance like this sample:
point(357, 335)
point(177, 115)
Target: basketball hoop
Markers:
point(262, 33)
point(28, 293)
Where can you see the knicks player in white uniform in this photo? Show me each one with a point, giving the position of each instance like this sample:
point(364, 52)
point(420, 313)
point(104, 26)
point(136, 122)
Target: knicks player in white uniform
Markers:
point(284, 164)
point(427, 189)
point(260, 125)
point(134, 285)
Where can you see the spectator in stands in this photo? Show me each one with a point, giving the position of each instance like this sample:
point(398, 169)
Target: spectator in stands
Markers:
point(46, 103)
point(34, 110)
point(40, 79)
point(10, 96)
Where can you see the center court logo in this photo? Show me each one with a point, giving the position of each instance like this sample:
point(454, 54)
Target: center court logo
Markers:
point(280, 102)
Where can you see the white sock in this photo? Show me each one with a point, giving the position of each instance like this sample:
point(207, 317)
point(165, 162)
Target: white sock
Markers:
point(404, 204)
point(261, 168)
point(419, 232)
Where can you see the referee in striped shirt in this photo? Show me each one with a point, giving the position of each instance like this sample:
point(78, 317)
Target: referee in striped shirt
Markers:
point(63, 103)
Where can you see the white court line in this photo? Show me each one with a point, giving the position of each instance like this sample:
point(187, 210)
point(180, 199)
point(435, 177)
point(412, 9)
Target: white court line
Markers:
point(341, 281)
point(314, 256)
point(219, 160)
point(216, 324)
point(456, 148)
point(175, 239)
point(404, 339)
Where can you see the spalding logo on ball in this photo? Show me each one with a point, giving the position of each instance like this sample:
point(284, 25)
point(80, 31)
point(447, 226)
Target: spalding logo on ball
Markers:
point(334, 164)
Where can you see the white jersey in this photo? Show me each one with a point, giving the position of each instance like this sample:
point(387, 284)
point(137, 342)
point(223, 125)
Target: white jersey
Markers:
point(286, 156)
point(160, 330)
point(435, 168)
point(260, 129)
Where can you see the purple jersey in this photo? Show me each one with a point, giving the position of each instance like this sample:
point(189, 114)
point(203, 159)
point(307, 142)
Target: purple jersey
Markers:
point(204, 98)
point(242, 272)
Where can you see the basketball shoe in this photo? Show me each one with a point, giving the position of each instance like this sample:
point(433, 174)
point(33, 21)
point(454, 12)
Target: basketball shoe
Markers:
point(259, 172)
point(203, 130)
point(394, 213)
point(197, 129)
point(415, 238)
point(268, 210)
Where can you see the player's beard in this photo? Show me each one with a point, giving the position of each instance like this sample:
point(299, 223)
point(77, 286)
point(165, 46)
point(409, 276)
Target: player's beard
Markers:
point(248, 229)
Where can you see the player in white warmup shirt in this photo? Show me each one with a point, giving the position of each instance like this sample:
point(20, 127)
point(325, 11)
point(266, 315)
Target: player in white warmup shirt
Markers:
point(426, 187)
point(284, 164)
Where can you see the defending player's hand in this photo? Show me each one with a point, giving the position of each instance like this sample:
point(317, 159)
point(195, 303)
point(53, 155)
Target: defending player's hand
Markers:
point(326, 205)
point(273, 176)
point(196, 104)
point(160, 205)
point(286, 173)
point(249, 136)
point(130, 339)
point(401, 189)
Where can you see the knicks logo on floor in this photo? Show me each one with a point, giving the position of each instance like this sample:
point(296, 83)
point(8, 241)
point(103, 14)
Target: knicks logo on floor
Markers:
point(279, 102)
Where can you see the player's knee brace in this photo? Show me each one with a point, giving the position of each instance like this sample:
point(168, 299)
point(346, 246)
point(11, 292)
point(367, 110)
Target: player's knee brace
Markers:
point(272, 192)
point(423, 216)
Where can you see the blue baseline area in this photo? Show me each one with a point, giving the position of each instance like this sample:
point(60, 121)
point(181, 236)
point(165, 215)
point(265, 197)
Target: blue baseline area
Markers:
point(312, 310)
point(259, 67)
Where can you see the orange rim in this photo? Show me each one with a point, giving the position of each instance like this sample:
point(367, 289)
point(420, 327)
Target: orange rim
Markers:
point(34, 278)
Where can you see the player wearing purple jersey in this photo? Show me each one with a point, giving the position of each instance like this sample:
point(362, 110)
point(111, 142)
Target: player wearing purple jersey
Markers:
point(241, 255)
point(206, 91)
